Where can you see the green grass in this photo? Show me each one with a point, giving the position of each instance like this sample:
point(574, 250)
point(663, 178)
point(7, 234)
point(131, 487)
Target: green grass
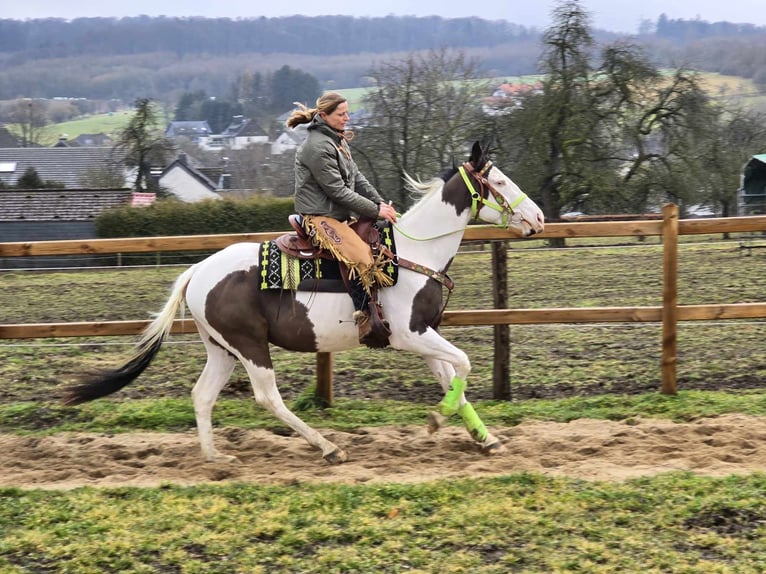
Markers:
point(177, 414)
point(108, 123)
point(111, 124)
point(523, 523)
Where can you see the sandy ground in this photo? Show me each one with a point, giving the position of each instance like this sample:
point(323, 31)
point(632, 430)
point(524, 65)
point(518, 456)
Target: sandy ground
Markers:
point(585, 449)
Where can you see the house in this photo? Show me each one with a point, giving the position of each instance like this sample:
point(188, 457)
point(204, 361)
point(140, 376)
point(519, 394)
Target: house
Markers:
point(752, 190)
point(186, 182)
point(54, 214)
point(508, 96)
point(72, 167)
point(193, 130)
point(239, 134)
point(289, 140)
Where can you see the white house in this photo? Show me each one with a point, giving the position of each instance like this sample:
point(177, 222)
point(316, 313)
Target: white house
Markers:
point(187, 183)
point(289, 140)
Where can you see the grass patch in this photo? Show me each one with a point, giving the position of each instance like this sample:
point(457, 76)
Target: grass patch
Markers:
point(170, 414)
point(522, 523)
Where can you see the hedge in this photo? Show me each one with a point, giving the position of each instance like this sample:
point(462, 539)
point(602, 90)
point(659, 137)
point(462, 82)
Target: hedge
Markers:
point(171, 217)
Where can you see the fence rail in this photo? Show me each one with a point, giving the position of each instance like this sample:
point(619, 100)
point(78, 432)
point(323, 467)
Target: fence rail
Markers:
point(669, 228)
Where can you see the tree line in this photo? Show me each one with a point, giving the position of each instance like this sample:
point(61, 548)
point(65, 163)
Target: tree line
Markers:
point(323, 35)
point(162, 57)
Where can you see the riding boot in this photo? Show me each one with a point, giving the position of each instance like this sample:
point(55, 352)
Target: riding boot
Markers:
point(373, 329)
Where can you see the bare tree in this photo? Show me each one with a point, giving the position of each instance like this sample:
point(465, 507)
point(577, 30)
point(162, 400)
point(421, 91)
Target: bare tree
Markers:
point(421, 114)
point(29, 117)
point(607, 135)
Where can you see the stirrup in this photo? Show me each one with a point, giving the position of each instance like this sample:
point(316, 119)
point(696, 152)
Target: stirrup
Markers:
point(373, 330)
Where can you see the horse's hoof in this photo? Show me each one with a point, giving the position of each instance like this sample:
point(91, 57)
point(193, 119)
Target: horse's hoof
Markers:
point(337, 456)
point(492, 445)
point(435, 421)
point(219, 458)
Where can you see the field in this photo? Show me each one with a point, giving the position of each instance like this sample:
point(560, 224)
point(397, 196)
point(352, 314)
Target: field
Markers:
point(601, 474)
point(111, 123)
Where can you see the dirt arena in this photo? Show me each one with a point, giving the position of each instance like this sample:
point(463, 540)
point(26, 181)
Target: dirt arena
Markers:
point(584, 449)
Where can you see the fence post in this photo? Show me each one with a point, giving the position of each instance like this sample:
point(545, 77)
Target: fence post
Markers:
point(669, 297)
point(324, 377)
point(501, 370)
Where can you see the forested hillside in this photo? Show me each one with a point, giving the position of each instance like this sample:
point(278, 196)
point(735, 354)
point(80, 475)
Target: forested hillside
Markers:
point(102, 58)
point(162, 57)
point(321, 35)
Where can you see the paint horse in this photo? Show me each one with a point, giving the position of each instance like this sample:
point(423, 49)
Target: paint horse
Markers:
point(237, 319)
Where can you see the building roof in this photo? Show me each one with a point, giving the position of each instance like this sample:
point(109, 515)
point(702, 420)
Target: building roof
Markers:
point(69, 166)
point(297, 135)
point(190, 129)
point(182, 163)
point(243, 127)
point(59, 204)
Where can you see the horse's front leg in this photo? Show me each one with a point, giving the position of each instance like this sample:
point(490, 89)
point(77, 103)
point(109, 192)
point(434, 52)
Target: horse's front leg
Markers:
point(451, 367)
point(454, 401)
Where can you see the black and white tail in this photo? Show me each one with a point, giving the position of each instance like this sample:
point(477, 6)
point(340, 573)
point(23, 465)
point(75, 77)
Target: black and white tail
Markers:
point(107, 382)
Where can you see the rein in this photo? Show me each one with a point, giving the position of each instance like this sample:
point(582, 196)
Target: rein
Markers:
point(442, 278)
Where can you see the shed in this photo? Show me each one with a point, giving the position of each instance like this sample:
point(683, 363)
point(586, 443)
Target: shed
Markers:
point(752, 192)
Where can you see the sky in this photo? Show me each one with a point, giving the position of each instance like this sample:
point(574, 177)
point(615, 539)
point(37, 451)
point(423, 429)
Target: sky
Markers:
point(614, 15)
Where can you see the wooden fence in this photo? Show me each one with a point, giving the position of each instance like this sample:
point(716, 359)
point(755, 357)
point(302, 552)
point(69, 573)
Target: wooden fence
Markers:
point(669, 227)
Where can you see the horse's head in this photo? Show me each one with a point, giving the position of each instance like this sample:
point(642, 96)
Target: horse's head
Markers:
point(495, 198)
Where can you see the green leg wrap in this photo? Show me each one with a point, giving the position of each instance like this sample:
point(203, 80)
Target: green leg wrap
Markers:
point(473, 422)
point(451, 401)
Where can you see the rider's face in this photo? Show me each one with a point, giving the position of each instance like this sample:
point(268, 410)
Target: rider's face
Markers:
point(338, 118)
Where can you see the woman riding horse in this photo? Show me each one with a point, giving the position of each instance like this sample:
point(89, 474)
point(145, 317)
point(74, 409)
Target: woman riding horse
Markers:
point(238, 319)
point(330, 191)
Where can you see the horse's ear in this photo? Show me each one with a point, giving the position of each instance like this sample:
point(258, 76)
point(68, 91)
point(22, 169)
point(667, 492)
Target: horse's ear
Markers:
point(480, 153)
point(476, 153)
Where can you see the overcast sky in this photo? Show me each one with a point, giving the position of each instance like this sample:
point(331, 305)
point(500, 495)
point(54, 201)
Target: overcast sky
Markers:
point(615, 15)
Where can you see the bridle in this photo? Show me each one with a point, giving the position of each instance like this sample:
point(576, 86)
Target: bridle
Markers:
point(487, 192)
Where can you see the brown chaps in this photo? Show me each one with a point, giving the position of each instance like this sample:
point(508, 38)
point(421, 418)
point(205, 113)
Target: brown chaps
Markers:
point(348, 248)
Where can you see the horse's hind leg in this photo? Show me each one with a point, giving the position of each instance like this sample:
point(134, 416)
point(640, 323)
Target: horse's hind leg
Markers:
point(267, 395)
point(445, 374)
point(218, 369)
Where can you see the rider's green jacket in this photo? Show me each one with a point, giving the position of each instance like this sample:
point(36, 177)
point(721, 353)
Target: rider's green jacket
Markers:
point(327, 180)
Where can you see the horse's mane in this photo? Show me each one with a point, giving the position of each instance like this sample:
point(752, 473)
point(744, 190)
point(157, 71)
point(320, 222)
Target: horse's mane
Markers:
point(422, 188)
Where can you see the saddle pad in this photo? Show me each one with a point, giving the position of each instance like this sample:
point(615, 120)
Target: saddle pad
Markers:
point(280, 271)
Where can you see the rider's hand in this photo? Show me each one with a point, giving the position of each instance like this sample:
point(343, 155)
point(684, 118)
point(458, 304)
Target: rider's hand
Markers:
point(387, 211)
